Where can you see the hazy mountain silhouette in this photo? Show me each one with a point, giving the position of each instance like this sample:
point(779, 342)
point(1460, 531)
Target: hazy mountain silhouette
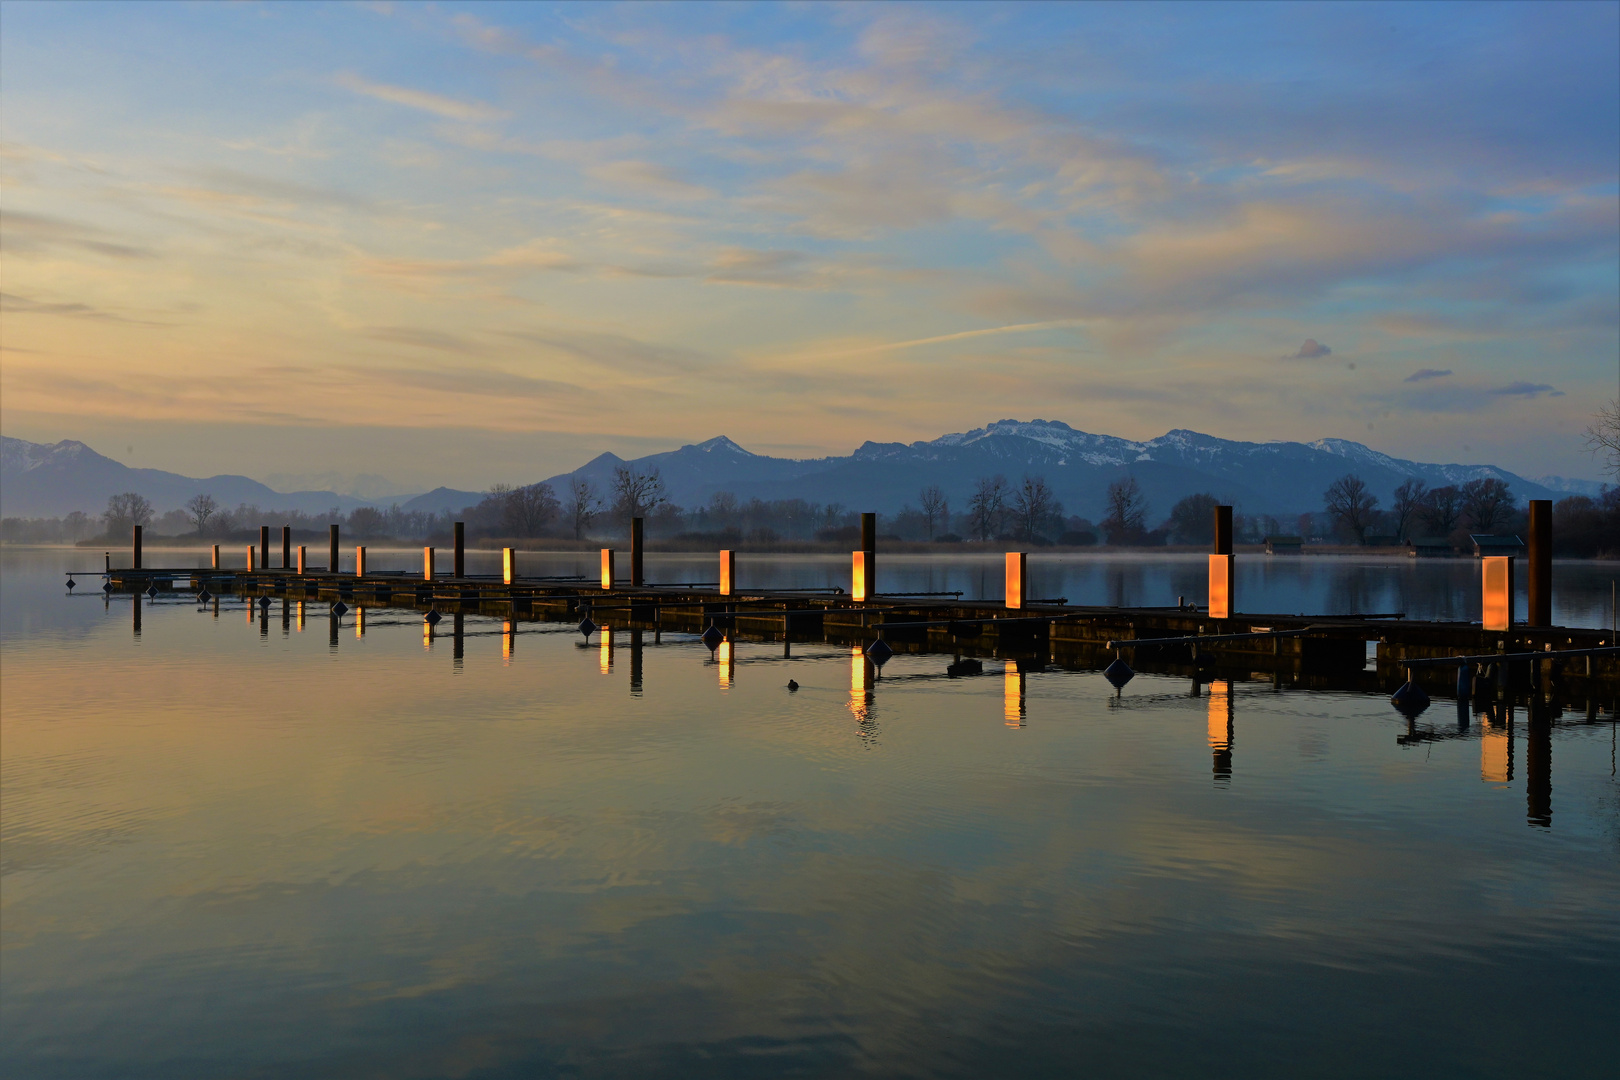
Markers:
point(49, 480)
point(1280, 478)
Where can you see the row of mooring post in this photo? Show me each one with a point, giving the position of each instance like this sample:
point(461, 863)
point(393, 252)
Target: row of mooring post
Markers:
point(1497, 572)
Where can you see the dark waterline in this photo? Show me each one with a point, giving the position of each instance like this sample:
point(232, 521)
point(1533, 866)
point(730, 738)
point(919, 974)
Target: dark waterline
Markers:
point(233, 846)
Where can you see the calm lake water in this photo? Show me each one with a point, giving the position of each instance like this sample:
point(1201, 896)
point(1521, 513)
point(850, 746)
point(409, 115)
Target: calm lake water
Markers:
point(245, 848)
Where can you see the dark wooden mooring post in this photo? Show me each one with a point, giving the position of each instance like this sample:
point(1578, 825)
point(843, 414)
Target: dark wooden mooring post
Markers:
point(869, 546)
point(332, 556)
point(286, 547)
point(636, 580)
point(264, 547)
point(1222, 579)
point(459, 565)
point(135, 547)
point(1540, 562)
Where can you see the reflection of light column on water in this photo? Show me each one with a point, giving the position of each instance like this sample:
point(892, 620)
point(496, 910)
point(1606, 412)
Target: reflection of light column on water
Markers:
point(300, 616)
point(1220, 728)
point(1496, 752)
point(508, 636)
point(427, 637)
point(604, 656)
point(860, 684)
point(723, 657)
point(1012, 696)
point(359, 622)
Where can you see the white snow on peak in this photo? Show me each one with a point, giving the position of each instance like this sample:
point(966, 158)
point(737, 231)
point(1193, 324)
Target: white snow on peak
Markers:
point(721, 442)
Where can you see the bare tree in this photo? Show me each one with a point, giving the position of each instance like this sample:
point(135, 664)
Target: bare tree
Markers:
point(1033, 506)
point(1192, 520)
point(199, 508)
point(527, 510)
point(935, 508)
point(126, 510)
point(583, 504)
point(1486, 503)
point(1409, 499)
point(1442, 510)
point(636, 492)
point(988, 505)
point(1351, 505)
point(1603, 436)
point(1127, 511)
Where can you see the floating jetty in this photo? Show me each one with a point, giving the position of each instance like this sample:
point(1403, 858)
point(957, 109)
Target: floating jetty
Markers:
point(1576, 666)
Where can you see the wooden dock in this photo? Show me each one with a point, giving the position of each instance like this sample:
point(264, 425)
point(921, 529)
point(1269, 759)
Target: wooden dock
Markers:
point(1317, 652)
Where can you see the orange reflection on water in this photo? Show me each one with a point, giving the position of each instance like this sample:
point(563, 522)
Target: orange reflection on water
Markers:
point(860, 684)
point(508, 639)
point(604, 656)
point(723, 657)
point(427, 636)
point(1220, 716)
point(1012, 695)
point(359, 623)
point(1496, 756)
point(1220, 730)
point(300, 616)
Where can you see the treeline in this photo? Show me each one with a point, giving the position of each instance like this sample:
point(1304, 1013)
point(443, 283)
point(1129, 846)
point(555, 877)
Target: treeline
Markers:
point(1025, 512)
point(1583, 527)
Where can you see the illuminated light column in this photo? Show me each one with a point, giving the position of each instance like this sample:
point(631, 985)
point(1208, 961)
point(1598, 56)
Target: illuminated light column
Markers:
point(508, 565)
point(360, 562)
point(1017, 568)
point(427, 564)
point(1497, 587)
point(302, 551)
point(1222, 579)
point(250, 558)
point(728, 572)
point(859, 583)
point(1220, 586)
point(607, 568)
point(216, 556)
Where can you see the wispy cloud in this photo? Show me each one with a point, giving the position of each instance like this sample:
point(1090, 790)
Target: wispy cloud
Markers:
point(1526, 390)
point(1312, 350)
point(437, 104)
point(1425, 374)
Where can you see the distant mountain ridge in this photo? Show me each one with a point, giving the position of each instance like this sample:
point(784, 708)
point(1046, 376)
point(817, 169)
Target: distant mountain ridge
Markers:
point(1279, 478)
point(53, 479)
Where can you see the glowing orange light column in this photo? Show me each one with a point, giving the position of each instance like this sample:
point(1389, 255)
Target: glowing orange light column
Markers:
point(1497, 573)
point(607, 568)
point(1017, 566)
point(728, 571)
point(1221, 590)
point(859, 585)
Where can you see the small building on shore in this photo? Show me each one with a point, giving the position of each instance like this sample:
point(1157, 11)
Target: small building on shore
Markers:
point(1284, 545)
point(1486, 544)
point(1429, 547)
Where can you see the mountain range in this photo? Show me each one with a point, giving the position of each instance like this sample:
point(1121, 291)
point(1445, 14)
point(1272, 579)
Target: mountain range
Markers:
point(1279, 478)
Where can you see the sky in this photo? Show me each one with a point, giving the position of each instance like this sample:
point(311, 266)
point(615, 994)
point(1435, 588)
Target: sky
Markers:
point(465, 244)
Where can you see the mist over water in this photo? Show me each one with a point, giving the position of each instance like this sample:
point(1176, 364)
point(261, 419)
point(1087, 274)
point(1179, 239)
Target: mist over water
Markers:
point(261, 843)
